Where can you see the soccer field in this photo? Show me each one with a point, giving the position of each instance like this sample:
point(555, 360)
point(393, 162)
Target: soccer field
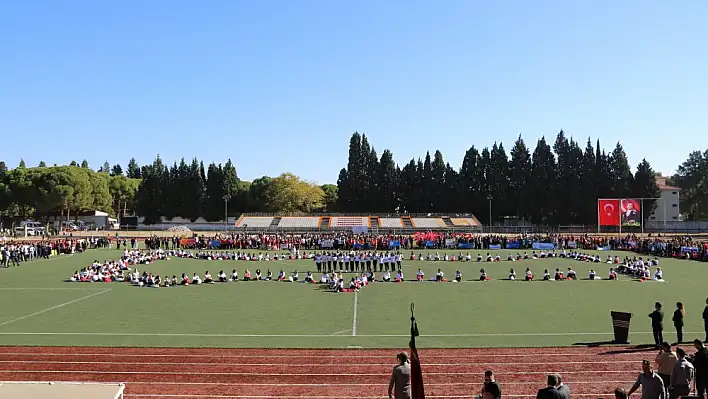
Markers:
point(40, 308)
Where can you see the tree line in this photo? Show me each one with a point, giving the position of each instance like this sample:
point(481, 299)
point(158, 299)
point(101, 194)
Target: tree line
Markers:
point(552, 183)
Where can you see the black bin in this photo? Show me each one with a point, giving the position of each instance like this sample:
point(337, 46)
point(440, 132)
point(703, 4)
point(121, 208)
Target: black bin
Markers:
point(620, 325)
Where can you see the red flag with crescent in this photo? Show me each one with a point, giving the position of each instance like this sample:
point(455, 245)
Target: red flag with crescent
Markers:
point(608, 211)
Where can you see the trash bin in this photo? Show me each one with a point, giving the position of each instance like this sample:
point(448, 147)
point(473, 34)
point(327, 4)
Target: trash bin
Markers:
point(620, 325)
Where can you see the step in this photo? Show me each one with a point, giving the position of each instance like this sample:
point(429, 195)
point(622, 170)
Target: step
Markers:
point(324, 222)
point(275, 222)
point(374, 222)
point(448, 221)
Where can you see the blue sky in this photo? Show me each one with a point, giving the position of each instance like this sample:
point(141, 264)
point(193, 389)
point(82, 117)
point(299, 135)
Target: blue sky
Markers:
point(280, 85)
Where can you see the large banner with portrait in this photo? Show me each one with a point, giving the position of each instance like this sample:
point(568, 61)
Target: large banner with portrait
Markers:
point(630, 213)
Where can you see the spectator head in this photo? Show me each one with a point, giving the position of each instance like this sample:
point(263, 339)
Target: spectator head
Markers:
point(666, 347)
point(488, 376)
point(698, 344)
point(402, 358)
point(657, 305)
point(680, 353)
point(679, 305)
point(560, 379)
point(620, 393)
point(552, 380)
point(706, 301)
point(646, 366)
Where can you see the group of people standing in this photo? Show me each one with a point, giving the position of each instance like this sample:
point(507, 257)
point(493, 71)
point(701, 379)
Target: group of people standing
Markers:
point(657, 322)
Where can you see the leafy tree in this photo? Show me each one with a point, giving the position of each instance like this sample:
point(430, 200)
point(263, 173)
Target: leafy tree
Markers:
point(692, 178)
point(288, 194)
point(543, 182)
point(329, 201)
point(620, 173)
point(123, 191)
point(42, 164)
point(22, 164)
point(84, 164)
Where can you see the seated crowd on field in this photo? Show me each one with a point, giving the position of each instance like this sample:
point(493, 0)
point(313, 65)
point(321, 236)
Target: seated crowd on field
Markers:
point(331, 267)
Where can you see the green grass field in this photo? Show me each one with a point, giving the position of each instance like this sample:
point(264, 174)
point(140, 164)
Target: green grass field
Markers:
point(40, 308)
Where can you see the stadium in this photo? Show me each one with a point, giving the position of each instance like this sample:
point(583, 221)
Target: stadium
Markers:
point(330, 200)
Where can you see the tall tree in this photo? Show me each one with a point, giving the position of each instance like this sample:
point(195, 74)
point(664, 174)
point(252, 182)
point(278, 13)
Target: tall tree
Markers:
point(590, 191)
point(84, 164)
point(498, 180)
point(22, 164)
point(134, 171)
point(116, 170)
point(519, 174)
point(42, 164)
point(620, 173)
point(543, 183)
point(386, 190)
point(644, 186)
point(350, 191)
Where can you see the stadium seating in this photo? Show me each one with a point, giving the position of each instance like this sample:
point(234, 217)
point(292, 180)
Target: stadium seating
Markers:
point(390, 223)
point(349, 221)
point(259, 222)
point(428, 223)
point(305, 222)
point(464, 222)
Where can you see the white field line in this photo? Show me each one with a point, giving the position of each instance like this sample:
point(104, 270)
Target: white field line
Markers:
point(356, 308)
point(340, 332)
point(61, 305)
point(107, 334)
point(183, 373)
point(221, 364)
point(320, 385)
point(295, 354)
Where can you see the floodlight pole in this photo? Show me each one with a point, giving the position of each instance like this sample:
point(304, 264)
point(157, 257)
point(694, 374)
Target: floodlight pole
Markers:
point(490, 213)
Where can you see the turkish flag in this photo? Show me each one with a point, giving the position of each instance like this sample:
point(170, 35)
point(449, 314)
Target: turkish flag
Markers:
point(608, 212)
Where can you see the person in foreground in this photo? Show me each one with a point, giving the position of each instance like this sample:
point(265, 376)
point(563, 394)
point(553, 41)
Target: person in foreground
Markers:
point(682, 376)
point(563, 390)
point(652, 385)
point(491, 388)
point(400, 385)
point(550, 391)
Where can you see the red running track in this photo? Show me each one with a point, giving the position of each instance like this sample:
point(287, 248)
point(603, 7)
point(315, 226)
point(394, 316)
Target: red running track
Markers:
point(326, 374)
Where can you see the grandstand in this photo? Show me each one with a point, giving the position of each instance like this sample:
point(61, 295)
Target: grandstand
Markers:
point(299, 222)
point(338, 222)
point(428, 223)
point(391, 223)
point(254, 222)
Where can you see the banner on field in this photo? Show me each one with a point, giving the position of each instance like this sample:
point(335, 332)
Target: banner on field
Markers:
point(464, 246)
point(394, 244)
point(631, 213)
point(495, 246)
point(360, 229)
point(215, 243)
point(607, 248)
point(608, 212)
point(450, 242)
point(572, 244)
point(327, 243)
point(185, 242)
point(513, 245)
point(430, 244)
point(691, 250)
point(284, 246)
point(543, 246)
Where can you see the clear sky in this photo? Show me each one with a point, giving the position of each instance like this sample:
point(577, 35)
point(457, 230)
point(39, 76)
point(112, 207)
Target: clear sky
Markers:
point(280, 85)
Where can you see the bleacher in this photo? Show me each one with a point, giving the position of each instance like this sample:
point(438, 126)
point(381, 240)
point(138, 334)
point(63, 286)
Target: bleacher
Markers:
point(390, 223)
point(465, 222)
point(428, 223)
point(340, 222)
point(303, 222)
point(349, 221)
point(254, 222)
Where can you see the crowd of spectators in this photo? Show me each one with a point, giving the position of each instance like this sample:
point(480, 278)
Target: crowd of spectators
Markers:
point(16, 252)
point(654, 245)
